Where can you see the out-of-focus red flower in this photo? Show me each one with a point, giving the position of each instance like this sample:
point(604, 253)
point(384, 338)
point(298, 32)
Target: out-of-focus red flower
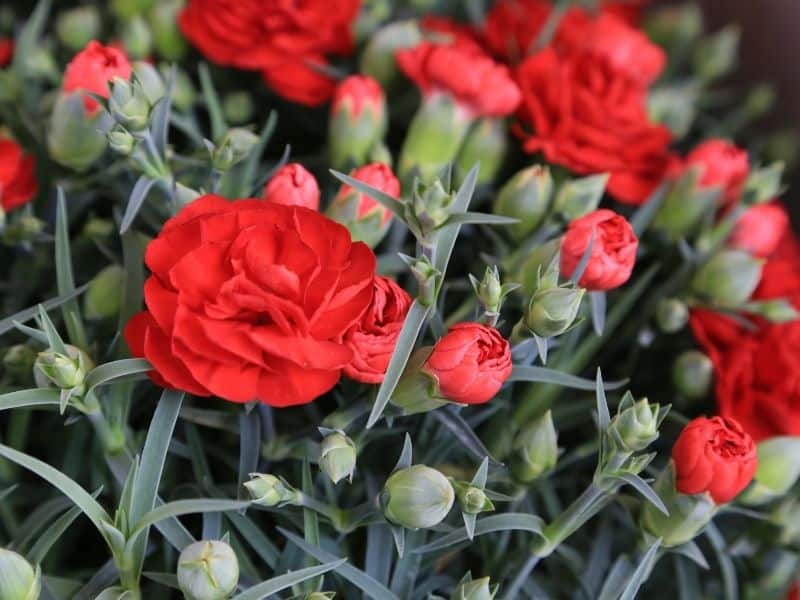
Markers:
point(359, 92)
point(92, 69)
point(293, 185)
point(723, 164)
point(17, 177)
point(6, 51)
point(760, 229)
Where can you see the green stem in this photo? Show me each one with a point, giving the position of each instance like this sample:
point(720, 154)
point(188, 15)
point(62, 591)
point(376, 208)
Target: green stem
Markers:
point(568, 522)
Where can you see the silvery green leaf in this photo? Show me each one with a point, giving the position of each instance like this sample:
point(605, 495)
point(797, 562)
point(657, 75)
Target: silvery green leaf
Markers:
point(30, 398)
point(213, 105)
point(138, 195)
point(282, 582)
point(640, 575)
point(505, 522)
point(545, 375)
point(7, 324)
point(389, 202)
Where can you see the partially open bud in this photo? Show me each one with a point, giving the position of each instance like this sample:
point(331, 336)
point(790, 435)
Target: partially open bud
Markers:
point(238, 107)
point(78, 26)
point(337, 456)
point(579, 197)
point(535, 450)
point(472, 499)
point(18, 362)
point(75, 139)
point(526, 196)
point(235, 146)
point(778, 470)
point(417, 497)
point(728, 279)
point(552, 310)
point(18, 579)
point(357, 122)
point(692, 374)
point(377, 60)
point(487, 144)
point(635, 426)
point(208, 570)
point(104, 296)
point(267, 490)
point(474, 589)
point(65, 372)
point(672, 315)
point(129, 105)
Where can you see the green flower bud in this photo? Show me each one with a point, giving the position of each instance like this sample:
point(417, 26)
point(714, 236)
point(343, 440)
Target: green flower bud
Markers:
point(688, 514)
point(136, 37)
point(78, 26)
point(715, 56)
point(104, 296)
point(418, 497)
point(18, 579)
point(128, 104)
point(65, 372)
point(472, 500)
point(489, 290)
point(675, 26)
point(674, 106)
point(238, 107)
point(728, 279)
point(377, 59)
point(234, 148)
point(475, 589)
point(486, 143)
point(208, 570)
point(635, 426)
point(96, 228)
point(684, 206)
point(74, 139)
point(152, 84)
point(40, 63)
point(672, 315)
point(18, 362)
point(535, 450)
point(417, 391)
point(268, 490)
point(427, 276)
point(431, 205)
point(433, 138)
point(778, 470)
point(552, 310)
point(534, 263)
point(526, 196)
point(121, 141)
point(692, 374)
point(167, 37)
point(579, 197)
point(358, 121)
point(337, 456)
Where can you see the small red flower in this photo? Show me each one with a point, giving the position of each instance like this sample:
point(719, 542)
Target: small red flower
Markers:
point(92, 69)
point(357, 93)
point(17, 177)
point(716, 456)
point(379, 176)
point(722, 164)
point(613, 254)
point(6, 51)
point(760, 229)
point(373, 339)
point(293, 185)
point(470, 363)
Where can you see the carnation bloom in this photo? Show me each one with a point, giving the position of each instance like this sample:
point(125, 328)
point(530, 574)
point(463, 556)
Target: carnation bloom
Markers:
point(722, 164)
point(6, 51)
point(374, 337)
point(250, 300)
point(470, 363)
point(92, 69)
point(613, 253)
point(479, 85)
point(716, 456)
point(760, 229)
point(293, 185)
point(287, 41)
point(17, 177)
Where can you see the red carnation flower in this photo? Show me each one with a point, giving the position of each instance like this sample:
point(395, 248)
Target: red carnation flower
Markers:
point(293, 185)
point(6, 51)
point(359, 92)
point(760, 229)
point(250, 300)
point(92, 69)
point(17, 177)
point(723, 165)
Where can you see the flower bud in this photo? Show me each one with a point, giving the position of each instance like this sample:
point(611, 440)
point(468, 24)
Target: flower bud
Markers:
point(417, 497)
point(428, 278)
point(487, 144)
point(267, 490)
point(337, 456)
point(74, 139)
point(578, 197)
point(104, 296)
point(98, 229)
point(78, 26)
point(472, 499)
point(417, 391)
point(433, 137)
point(238, 107)
point(474, 589)
point(684, 205)
point(537, 260)
point(234, 148)
point(431, 205)
point(65, 372)
point(778, 470)
point(535, 450)
point(635, 426)
point(526, 196)
point(688, 513)
point(728, 279)
point(18, 579)
point(377, 60)
point(552, 310)
point(151, 81)
point(128, 104)
point(293, 185)
point(357, 122)
point(208, 570)
point(167, 37)
point(121, 141)
point(136, 37)
point(18, 362)
point(489, 291)
point(692, 374)
point(672, 315)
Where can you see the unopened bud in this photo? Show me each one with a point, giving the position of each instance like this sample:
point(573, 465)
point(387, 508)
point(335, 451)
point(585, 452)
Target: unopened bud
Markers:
point(238, 107)
point(475, 589)
point(121, 141)
point(579, 197)
point(486, 144)
point(684, 205)
point(728, 279)
point(537, 260)
point(337, 456)
point(417, 497)
point(136, 37)
point(428, 278)
point(97, 228)
point(431, 205)
point(18, 579)
point(535, 450)
point(635, 426)
point(526, 196)
point(18, 362)
point(267, 490)
point(377, 60)
point(552, 310)
point(150, 80)
point(357, 122)
point(167, 37)
point(234, 148)
point(489, 290)
point(23, 229)
point(778, 470)
point(672, 315)
point(692, 374)
point(78, 26)
point(208, 570)
point(787, 516)
point(104, 296)
point(75, 139)
point(128, 104)
point(63, 371)
point(472, 500)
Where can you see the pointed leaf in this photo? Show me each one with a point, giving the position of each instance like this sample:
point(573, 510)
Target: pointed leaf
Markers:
point(282, 582)
point(249, 448)
point(64, 277)
point(603, 415)
point(505, 522)
point(53, 338)
point(455, 423)
point(469, 524)
point(213, 105)
point(545, 375)
point(30, 398)
point(598, 305)
point(644, 215)
point(642, 571)
point(28, 38)
point(161, 113)
point(399, 537)
point(404, 461)
point(184, 507)
point(580, 269)
point(692, 551)
point(479, 479)
point(253, 160)
point(126, 369)
point(476, 218)
point(135, 201)
point(641, 486)
point(393, 204)
point(541, 347)
point(446, 239)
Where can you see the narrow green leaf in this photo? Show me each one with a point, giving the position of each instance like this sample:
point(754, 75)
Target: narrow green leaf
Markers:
point(726, 566)
point(491, 524)
point(545, 375)
point(27, 314)
point(169, 580)
point(479, 479)
point(64, 277)
point(28, 38)
point(162, 112)
point(406, 454)
point(36, 335)
point(254, 158)
point(30, 398)
point(583, 262)
point(597, 300)
point(138, 195)
point(476, 218)
point(399, 537)
point(53, 338)
point(125, 369)
point(183, 507)
point(641, 486)
point(446, 239)
point(49, 538)
point(692, 551)
point(642, 572)
point(263, 546)
point(469, 524)
point(282, 582)
point(310, 521)
point(405, 345)
point(455, 423)
point(249, 448)
point(133, 285)
point(393, 204)
point(644, 215)
point(603, 416)
point(212, 102)
point(358, 578)
point(616, 578)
